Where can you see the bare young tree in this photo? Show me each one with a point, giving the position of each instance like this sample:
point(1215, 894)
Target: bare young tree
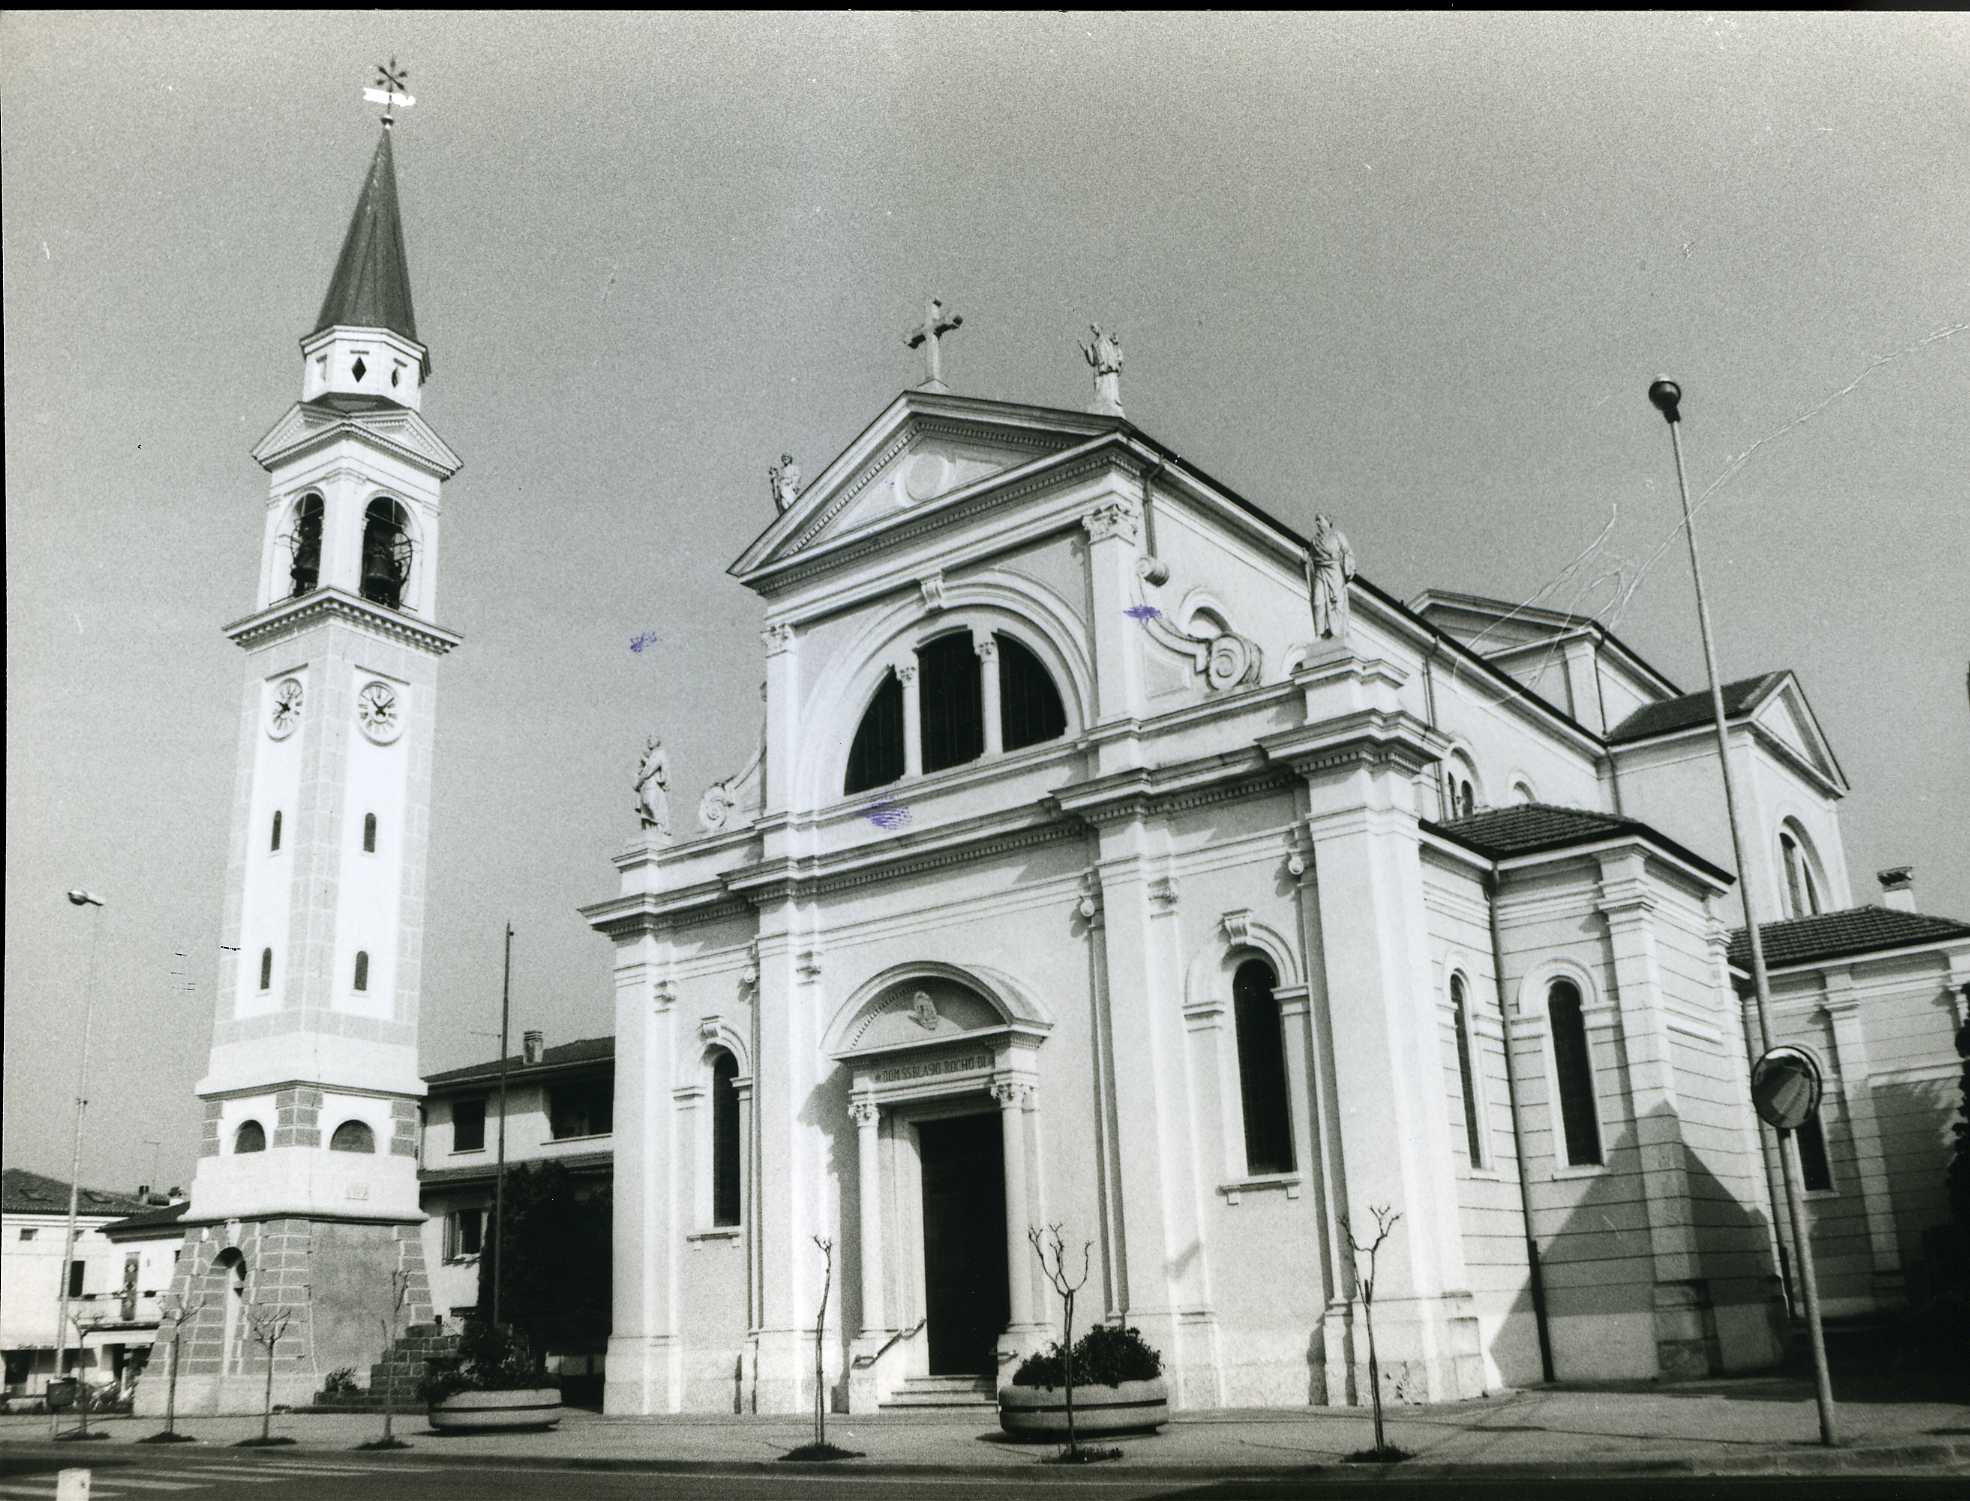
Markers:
point(176, 1310)
point(389, 1319)
point(1385, 1222)
point(268, 1324)
point(84, 1324)
point(827, 1248)
point(1053, 1244)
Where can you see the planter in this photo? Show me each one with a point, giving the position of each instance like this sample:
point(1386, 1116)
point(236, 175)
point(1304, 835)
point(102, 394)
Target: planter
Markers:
point(1041, 1411)
point(497, 1412)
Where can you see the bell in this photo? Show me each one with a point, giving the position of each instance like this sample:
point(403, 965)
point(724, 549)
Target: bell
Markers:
point(381, 580)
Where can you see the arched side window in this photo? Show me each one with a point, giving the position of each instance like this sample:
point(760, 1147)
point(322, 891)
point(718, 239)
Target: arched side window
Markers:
point(1030, 710)
point(250, 1137)
point(266, 969)
point(352, 1136)
point(1802, 898)
point(1573, 1066)
point(369, 833)
point(876, 757)
point(1460, 790)
point(273, 843)
point(1262, 1070)
point(1815, 1172)
point(304, 546)
point(386, 552)
point(1522, 791)
point(950, 705)
point(1460, 1023)
point(362, 969)
point(724, 1139)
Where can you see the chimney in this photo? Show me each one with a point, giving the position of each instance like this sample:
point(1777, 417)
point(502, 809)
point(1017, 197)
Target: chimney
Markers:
point(175, 1196)
point(143, 1193)
point(533, 1044)
point(1897, 887)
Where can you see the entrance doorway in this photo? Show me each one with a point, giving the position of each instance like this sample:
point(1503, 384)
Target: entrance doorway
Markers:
point(966, 1292)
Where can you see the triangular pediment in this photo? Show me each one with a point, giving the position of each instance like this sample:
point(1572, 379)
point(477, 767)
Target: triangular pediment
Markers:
point(925, 450)
point(1788, 718)
point(311, 423)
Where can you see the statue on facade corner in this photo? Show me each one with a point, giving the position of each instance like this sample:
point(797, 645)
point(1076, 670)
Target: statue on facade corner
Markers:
point(1330, 568)
point(653, 788)
point(784, 479)
point(1104, 356)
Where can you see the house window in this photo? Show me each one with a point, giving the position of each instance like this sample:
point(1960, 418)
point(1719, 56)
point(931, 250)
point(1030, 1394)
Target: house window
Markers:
point(250, 1137)
point(1030, 710)
point(1802, 898)
point(273, 844)
point(465, 1233)
point(1459, 1017)
point(29, 1232)
point(876, 757)
point(468, 1125)
point(951, 708)
point(1262, 1070)
point(352, 1136)
point(724, 1139)
point(1575, 1069)
point(1814, 1170)
point(75, 1269)
point(362, 969)
point(304, 544)
point(369, 833)
point(586, 1109)
point(266, 969)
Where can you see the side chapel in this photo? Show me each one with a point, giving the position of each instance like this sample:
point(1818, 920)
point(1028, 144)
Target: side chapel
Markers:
point(1116, 857)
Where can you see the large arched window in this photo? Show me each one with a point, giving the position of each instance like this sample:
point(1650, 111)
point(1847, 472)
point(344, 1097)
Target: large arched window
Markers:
point(1573, 1066)
point(876, 757)
point(250, 1137)
point(1262, 1070)
point(386, 552)
point(1460, 1023)
point(724, 1139)
point(304, 546)
point(352, 1136)
point(950, 707)
point(1030, 711)
point(1802, 898)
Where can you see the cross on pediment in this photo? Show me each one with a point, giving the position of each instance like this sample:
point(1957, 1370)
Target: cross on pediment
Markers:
point(929, 334)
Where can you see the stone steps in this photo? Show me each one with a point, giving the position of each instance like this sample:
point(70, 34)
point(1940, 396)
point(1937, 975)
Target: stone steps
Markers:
point(919, 1392)
point(405, 1361)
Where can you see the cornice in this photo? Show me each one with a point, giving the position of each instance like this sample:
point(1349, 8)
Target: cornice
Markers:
point(283, 442)
point(291, 615)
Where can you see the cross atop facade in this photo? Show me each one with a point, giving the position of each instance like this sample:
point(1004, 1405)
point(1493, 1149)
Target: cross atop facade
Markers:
point(388, 90)
point(937, 322)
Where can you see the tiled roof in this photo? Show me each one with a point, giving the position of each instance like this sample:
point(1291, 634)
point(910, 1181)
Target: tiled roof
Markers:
point(22, 1192)
point(1674, 714)
point(1831, 935)
point(371, 285)
point(586, 1050)
point(162, 1218)
point(1536, 828)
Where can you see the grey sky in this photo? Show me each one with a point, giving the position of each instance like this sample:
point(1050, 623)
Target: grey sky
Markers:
point(1414, 270)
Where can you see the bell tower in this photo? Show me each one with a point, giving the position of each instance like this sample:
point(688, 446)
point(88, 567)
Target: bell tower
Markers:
point(305, 1196)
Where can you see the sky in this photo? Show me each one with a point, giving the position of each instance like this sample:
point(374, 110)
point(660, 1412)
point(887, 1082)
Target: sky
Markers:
point(1415, 271)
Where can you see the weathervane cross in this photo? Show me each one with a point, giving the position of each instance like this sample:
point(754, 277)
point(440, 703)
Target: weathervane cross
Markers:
point(929, 334)
point(388, 90)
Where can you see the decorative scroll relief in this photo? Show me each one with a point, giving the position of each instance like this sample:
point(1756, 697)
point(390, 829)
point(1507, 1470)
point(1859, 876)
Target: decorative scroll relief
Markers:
point(1225, 660)
point(931, 1068)
point(739, 799)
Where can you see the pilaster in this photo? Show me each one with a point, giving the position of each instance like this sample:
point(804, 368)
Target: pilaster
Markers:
point(1856, 1087)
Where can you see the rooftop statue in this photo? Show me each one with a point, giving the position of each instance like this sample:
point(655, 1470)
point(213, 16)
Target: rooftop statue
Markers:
point(1104, 356)
point(653, 788)
point(784, 478)
point(1330, 568)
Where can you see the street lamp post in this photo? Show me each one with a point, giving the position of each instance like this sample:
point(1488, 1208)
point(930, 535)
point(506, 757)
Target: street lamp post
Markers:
point(1667, 397)
point(80, 899)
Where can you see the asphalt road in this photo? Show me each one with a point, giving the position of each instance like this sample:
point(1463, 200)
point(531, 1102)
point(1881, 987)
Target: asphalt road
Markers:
point(28, 1473)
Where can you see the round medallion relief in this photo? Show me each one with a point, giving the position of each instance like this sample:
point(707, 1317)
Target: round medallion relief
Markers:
point(925, 475)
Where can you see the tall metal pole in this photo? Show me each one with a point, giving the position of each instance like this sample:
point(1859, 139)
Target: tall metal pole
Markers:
point(499, 1171)
point(80, 899)
point(1667, 397)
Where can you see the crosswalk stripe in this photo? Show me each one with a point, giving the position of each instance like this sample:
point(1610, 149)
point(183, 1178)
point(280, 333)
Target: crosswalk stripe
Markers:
point(38, 1492)
point(108, 1482)
point(245, 1475)
point(330, 1468)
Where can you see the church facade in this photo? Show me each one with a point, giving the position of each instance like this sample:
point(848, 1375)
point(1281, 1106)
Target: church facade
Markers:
point(1090, 877)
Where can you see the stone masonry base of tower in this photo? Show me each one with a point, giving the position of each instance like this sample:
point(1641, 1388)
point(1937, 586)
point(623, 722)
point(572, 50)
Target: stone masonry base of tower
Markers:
point(333, 1278)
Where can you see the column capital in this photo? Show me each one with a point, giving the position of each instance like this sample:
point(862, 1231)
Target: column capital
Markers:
point(984, 644)
point(866, 1114)
point(1012, 1094)
point(906, 672)
point(778, 638)
point(1113, 518)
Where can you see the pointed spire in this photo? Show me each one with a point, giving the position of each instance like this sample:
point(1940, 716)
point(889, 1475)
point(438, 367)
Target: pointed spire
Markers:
point(371, 286)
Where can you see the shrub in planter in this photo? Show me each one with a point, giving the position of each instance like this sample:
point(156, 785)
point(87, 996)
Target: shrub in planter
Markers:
point(1118, 1387)
point(493, 1382)
point(1105, 1356)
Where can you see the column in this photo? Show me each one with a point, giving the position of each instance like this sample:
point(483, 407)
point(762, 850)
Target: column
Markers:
point(906, 674)
point(1112, 528)
point(868, 1158)
point(1850, 1064)
point(988, 681)
point(643, 1349)
point(1012, 1095)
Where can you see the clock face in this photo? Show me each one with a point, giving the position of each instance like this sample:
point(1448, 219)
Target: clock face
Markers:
point(380, 713)
point(286, 711)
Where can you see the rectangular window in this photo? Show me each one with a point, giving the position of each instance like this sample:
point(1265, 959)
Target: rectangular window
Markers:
point(465, 1233)
point(29, 1234)
point(75, 1279)
point(1814, 1170)
point(468, 1125)
point(585, 1109)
